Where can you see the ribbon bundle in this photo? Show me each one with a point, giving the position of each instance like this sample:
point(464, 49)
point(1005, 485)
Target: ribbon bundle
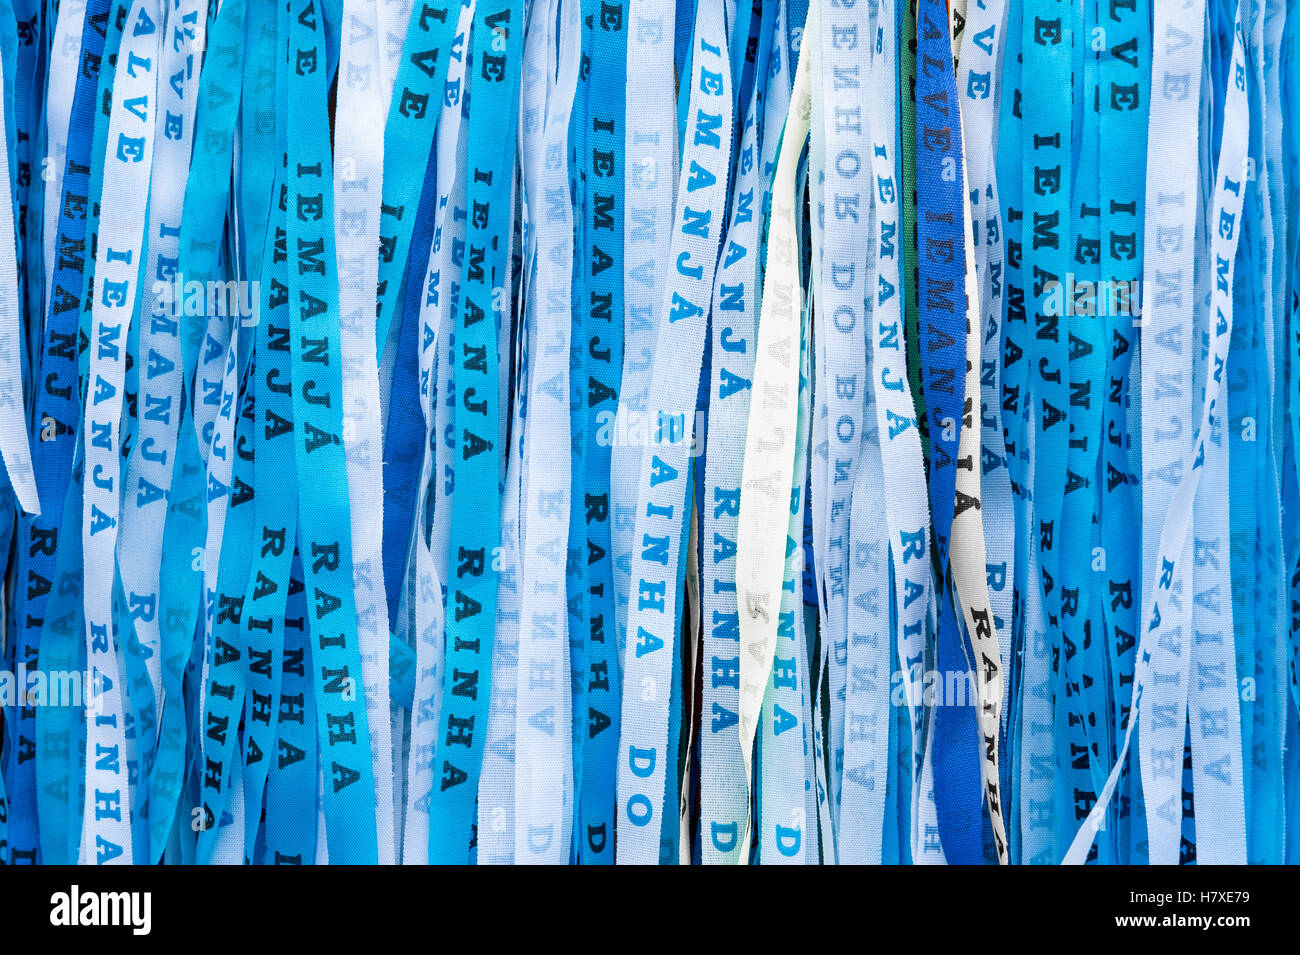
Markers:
point(652, 431)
